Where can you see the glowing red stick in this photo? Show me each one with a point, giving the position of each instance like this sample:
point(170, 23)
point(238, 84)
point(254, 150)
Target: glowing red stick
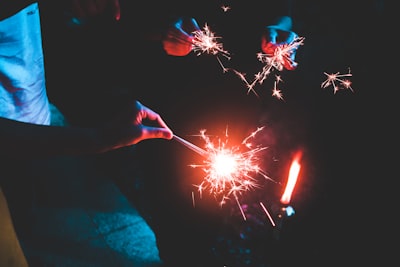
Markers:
point(292, 179)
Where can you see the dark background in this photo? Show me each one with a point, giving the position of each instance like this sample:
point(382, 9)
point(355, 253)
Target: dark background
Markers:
point(91, 69)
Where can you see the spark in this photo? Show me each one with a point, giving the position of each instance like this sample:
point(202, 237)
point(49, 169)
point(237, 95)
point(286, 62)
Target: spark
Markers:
point(205, 42)
point(274, 62)
point(276, 92)
point(230, 171)
point(337, 81)
point(225, 8)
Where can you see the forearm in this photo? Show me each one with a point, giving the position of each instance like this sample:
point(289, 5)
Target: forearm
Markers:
point(18, 139)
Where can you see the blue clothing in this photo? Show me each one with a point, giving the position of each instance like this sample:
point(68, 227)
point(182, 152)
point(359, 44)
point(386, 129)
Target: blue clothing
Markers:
point(23, 94)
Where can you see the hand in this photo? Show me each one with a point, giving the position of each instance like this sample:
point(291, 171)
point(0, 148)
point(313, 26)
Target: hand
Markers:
point(280, 34)
point(130, 129)
point(86, 9)
point(178, 40)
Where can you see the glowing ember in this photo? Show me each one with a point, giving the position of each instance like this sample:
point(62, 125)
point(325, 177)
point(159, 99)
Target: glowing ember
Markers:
point(230, 170)
point(337, 81)
point(292, 179)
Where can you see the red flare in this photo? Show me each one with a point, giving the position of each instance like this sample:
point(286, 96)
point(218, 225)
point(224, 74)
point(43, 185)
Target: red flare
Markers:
point(292, 179)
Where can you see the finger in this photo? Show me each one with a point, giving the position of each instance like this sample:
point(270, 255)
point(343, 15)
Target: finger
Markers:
point(291, 37)
point(180, 35)
point(195, 25)
point(271, 34)
point(178, 24)
point(154, 132)
point(147, 113)
point(269, 48)
point(177, 46)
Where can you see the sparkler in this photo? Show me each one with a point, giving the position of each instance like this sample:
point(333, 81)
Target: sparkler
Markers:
point(205, 41)
point(229, 170)
point(273, 62)
point(337, 81)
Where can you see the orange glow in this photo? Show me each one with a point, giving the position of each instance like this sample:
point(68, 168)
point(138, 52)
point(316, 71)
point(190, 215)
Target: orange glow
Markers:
point(292, 179)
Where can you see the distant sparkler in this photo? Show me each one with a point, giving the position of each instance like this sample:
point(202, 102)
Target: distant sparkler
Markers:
point(205, 42)
point(337, 81)
point(273, 62)
point(230, 170)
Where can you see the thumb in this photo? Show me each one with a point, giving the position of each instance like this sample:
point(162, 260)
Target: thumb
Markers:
point(157, 132)
point(190, 25)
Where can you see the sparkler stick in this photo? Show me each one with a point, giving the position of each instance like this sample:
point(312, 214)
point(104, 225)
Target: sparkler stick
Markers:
point(268, 214)
point(191, 146)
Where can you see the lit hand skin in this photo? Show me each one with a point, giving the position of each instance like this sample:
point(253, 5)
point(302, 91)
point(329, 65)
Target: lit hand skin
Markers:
point(20, 139)
point(279, 34)
point(178, 40)
point(129, 128)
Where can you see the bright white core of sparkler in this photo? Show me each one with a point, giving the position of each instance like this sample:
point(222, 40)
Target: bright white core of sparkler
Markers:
point(224, 164)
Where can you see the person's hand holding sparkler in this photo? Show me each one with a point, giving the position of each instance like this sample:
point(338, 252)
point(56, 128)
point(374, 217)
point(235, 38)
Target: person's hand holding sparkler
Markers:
point(178, 40)
point(278, 35)
point(129, 129)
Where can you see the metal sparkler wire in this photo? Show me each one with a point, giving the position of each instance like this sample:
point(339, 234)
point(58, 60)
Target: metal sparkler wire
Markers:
point(191, 146)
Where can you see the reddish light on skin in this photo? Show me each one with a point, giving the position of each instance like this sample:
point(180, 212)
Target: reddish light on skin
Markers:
point(292, 179)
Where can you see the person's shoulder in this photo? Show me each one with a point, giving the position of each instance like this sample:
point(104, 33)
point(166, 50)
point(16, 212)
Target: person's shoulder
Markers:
point(11, 7)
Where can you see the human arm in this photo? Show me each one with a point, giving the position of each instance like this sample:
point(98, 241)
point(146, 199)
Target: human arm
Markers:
point(19, 139)
point(280, 33)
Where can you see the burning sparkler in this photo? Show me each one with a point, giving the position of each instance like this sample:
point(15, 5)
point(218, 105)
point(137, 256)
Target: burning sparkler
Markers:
point(225, 8)
point(338, 81)
point(229, 170)
point(273, 62)
point(205, 41)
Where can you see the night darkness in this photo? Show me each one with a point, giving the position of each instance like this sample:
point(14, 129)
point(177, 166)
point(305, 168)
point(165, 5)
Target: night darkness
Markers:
point(91, 71)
